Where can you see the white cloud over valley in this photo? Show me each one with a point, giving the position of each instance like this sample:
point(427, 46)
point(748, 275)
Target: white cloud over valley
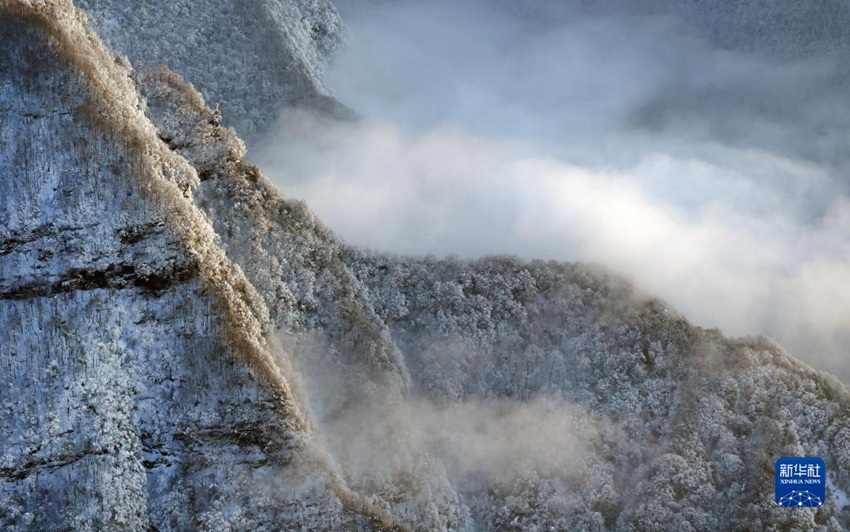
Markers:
point(715, 179)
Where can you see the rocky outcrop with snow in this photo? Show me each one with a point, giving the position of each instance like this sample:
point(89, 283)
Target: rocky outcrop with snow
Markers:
point(139, 386)
point(281, 46)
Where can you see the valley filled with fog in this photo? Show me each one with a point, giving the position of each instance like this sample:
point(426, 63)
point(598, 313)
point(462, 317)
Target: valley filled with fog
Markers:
point(710, 169)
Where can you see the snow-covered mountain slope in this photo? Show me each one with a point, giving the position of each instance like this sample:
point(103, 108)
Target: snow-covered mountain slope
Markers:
point(139, 389)
point(287, 254)
point(281, 46)
point(699, 419)
point(181, 347)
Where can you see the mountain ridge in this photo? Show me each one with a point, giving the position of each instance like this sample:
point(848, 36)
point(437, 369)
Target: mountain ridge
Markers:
point(126, 426)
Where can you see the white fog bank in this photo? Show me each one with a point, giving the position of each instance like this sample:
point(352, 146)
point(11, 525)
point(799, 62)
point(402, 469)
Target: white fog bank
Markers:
point(715, 179)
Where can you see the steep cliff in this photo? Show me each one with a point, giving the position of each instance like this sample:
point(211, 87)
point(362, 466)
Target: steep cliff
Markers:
point(280, 45)
point(139, 389)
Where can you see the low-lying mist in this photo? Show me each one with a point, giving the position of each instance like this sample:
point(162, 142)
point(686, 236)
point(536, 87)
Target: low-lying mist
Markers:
point(715, 179)
point(434, 460)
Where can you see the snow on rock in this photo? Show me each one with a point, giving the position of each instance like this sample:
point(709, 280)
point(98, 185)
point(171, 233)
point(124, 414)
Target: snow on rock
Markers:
point(288, 255)
point(280, 45)
point(139, 389)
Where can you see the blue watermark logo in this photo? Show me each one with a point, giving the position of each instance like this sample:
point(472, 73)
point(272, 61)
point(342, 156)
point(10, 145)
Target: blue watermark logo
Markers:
point(800, 482)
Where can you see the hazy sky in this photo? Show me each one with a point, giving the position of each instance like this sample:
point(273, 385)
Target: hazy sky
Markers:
point(715, 179)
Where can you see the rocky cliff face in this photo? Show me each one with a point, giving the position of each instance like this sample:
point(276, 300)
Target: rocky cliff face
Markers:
point(280, 45)
point(184, 348)
point(139, 390)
